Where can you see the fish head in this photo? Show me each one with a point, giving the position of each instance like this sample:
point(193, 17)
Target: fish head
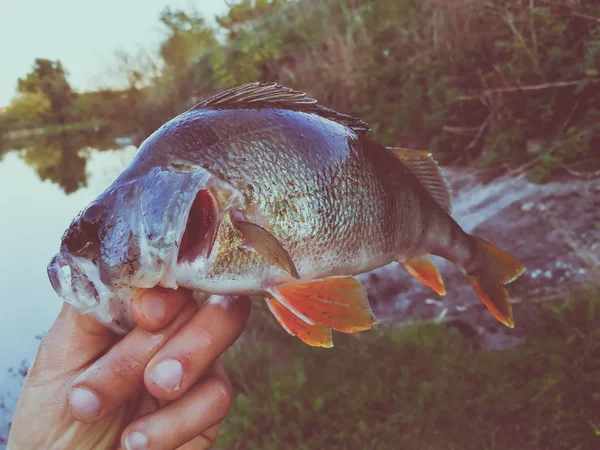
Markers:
point(129, 237)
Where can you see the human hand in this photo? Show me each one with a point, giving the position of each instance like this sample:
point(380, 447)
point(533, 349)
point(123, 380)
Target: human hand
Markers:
point(159, 387)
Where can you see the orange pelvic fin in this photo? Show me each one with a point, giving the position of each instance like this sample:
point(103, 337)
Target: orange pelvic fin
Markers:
point(493, 269)
point(339, 303)
point(423, 270)
point(314, 335)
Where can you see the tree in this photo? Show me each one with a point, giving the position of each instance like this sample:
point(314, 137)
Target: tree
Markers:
point(48, 78)
point(30, 107)
point(241, 15)
point(253, 41)
point(188, 38)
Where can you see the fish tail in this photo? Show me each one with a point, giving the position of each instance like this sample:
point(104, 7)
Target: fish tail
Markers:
point(490, 269)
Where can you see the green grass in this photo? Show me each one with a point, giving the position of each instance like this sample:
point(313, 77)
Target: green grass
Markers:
point(422, 386)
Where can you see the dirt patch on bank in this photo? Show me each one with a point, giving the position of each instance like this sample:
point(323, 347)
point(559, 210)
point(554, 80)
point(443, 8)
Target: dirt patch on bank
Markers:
point(553, 228)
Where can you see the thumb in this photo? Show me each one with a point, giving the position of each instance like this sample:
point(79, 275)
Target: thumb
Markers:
point(73, 341)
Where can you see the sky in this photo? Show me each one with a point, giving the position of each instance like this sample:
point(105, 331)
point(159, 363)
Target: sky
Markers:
point(83, 34)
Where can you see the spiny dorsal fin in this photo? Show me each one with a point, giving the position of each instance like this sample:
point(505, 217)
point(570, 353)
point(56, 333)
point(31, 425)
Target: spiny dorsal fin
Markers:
point(273, 95)
point(429, 174)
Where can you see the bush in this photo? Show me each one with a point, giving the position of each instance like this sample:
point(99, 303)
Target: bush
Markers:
point(495, 83)
point(475, 81)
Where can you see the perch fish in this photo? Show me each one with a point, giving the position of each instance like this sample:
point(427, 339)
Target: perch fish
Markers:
point(260, 190)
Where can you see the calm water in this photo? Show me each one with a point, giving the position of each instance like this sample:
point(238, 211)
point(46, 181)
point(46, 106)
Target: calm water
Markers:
point(43, 185)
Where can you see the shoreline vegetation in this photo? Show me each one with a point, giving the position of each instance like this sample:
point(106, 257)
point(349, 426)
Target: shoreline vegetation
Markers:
point(422, 385)
point(52, 129)
point(493, 84)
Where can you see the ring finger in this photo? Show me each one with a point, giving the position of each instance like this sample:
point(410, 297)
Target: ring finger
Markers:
point(194, 417)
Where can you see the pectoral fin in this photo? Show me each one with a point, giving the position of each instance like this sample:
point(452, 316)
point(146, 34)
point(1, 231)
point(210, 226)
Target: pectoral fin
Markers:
point(314, 335)
point(339, 303)
point(423, 270)
point(267, 245)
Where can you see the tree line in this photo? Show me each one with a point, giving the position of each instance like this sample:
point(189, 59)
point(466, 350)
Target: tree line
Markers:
point(489, 82)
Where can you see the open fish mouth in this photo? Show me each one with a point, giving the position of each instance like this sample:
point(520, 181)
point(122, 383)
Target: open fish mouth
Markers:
point(150, 223)
point(77, 281)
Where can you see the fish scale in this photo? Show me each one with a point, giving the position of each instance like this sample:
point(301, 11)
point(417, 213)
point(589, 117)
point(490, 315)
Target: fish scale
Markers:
point(282, 198)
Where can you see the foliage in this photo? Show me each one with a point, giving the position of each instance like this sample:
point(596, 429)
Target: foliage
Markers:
point(423, 386)
point(493, 83)
point(188, 37)
point(48, 78)
point(105, 107)
point(474, 81)
point(30, 108)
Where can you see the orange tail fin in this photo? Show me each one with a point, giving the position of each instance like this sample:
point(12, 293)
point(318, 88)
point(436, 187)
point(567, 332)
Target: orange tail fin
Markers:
point(493, 269)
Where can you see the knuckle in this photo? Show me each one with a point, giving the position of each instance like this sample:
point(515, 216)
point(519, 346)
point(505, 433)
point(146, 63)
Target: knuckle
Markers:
point(127, 368)
point(223, 396)
point(207, 338)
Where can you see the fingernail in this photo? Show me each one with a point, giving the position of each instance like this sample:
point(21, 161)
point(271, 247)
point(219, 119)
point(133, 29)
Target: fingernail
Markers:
point(85, 404)
point(136, 441)
point(221, 300)
point(153, 308)
point(167, 374)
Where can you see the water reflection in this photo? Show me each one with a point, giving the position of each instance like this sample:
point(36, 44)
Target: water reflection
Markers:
point(61, 158)
point(44, 183)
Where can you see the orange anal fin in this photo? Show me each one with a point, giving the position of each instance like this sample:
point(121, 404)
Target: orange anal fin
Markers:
point(423, 270)
point(314, 335)
point(339, 303)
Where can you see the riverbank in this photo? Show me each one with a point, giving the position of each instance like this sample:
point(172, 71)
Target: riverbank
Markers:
point(53, 129)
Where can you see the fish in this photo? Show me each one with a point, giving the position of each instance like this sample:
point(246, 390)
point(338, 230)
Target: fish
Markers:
point(260, 190)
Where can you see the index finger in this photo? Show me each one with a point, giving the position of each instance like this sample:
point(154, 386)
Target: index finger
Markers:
point(116, 376)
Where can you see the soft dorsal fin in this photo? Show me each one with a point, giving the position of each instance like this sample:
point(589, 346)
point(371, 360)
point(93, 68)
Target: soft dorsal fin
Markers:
point(429, 174)
point(273, 95)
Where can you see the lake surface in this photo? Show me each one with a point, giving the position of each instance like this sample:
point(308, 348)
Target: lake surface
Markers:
point(42, 186)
